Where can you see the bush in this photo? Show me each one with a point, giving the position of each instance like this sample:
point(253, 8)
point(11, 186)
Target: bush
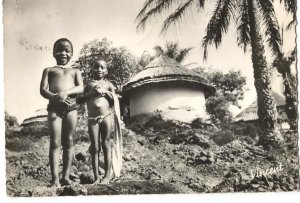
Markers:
point(245, 129)
point(223, 137)
point(10, 121)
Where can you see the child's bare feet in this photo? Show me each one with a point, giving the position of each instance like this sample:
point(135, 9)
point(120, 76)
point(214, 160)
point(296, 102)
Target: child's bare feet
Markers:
point(105, 181)
point(66, 181)
point(96, 182)
point(54, 184)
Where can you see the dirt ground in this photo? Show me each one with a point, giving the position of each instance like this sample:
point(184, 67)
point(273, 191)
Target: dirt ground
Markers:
point(159, 157)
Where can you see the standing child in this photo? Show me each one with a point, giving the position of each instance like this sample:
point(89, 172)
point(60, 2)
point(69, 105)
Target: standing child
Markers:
point(60, 85)
point(103, 107)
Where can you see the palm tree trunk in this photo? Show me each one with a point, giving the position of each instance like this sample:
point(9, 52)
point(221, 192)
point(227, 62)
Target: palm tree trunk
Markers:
point(267, 112)
point(283, 66)
point(290, 92)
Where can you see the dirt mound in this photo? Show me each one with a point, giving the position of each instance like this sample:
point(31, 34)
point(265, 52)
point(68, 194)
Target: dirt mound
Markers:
point(159, 157)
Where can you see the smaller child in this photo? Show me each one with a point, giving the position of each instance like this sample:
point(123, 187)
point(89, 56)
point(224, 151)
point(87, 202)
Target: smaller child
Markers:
point(100, 97)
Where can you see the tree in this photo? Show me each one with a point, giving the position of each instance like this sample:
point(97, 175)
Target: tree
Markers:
point(10, 121)
point(283, 64)
point(172, 50)
point(121, 63)
point(230, 91)
point(250, 16)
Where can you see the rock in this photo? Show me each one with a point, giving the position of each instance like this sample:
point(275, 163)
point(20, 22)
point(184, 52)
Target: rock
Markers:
point(86, 178)
point(85, 168)
point(80, 157)
point(44, 191)
point(140, 142)
point(233, 177)
point(25, 193)
point(203, 159)
point(101, 170)
point(203, 153)
point(190, 161)
point(271, 185)
point(126, 157)
point(74, 177)
point(73, 190)
point(210, 154)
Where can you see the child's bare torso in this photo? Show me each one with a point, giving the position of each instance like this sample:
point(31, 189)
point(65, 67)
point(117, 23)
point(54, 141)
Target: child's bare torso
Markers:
point(62, 79)
point(99, 105)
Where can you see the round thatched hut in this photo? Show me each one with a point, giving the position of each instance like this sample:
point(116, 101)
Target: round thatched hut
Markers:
point(37, 122)
point(38, 116)
point(167, 87)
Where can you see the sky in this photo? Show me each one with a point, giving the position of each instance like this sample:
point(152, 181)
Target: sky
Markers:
point(32, 26)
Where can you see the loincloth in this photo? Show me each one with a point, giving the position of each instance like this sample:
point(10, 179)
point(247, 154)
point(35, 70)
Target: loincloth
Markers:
point(99, 119)
point(62, 109)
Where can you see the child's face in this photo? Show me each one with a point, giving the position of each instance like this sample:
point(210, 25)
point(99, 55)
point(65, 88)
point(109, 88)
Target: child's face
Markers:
point(63, 52)
point(99, 69)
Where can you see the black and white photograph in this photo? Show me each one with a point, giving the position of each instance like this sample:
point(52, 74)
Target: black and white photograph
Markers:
point(127, 97)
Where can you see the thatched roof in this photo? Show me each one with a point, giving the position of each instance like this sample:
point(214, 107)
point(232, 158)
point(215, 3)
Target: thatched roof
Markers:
point(250, 113)
point(38, 116)
point(165, 69)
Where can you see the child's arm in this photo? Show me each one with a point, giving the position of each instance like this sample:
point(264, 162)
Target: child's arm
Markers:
point(78, 89)
point(86, 96)
point(110, 89)
point(44, 86)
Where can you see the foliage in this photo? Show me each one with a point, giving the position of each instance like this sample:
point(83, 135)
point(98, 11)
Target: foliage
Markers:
point(223, 137)
point(10, 121)
point(217, 106)
point(121, 63)
point(254, 19)
point(145, 59)
point(171, 50)
point(290, 6)
point(283, 65)
point(230, 91)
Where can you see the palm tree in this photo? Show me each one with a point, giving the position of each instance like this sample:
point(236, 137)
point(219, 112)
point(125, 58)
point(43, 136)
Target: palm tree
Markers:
point(283, 64)
point(172, 50)
point(249, 15)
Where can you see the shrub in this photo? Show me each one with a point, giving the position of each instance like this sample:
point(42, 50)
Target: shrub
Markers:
point(223, 137)
point(10, 121)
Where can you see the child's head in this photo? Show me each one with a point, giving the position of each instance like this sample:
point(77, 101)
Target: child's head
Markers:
point(99, 69)
point(62, 51)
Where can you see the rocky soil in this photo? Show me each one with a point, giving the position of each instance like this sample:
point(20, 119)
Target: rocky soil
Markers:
point(159, 157)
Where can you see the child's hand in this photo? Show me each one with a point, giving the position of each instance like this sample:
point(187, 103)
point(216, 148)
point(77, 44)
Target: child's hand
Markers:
point(99, 91)
point(62, 96)
point(54, 97)
point(67, 102)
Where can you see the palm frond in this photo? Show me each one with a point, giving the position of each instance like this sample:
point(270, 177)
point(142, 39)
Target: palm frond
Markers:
point(160, 6)
point(172, 49)
point(147, 5)
point(218, 24)
point(177, 15)
point(183, 53)
point(201, 3)
point(272, 32)
point(290, 6)
point(243, 26)
point(159, 50)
